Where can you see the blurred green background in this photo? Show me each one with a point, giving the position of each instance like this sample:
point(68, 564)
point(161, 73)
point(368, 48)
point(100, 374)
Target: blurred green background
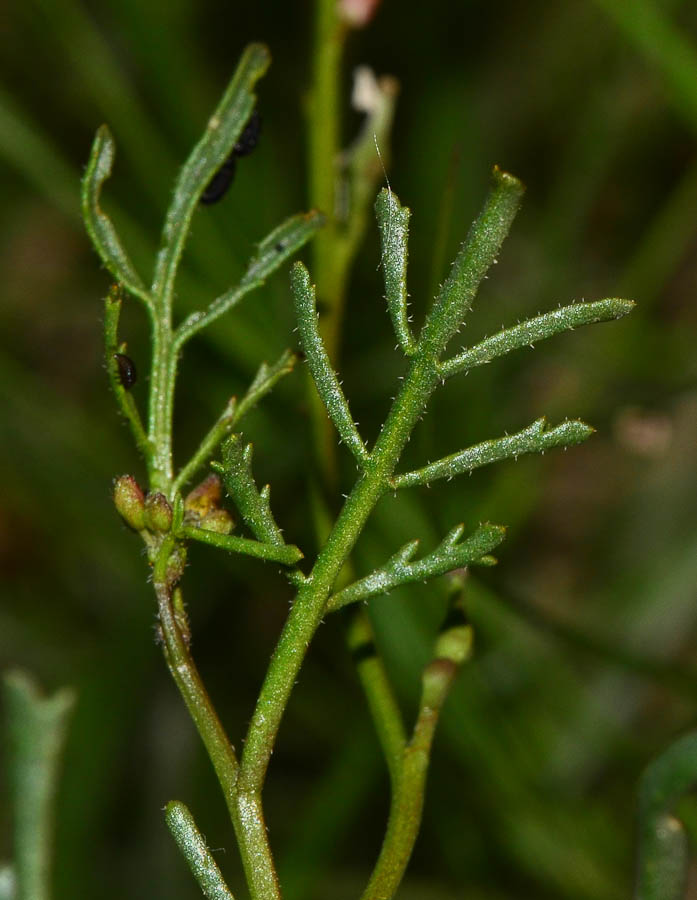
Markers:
point(583, 670)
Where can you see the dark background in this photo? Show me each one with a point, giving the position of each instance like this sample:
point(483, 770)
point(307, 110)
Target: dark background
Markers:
point(584, 631)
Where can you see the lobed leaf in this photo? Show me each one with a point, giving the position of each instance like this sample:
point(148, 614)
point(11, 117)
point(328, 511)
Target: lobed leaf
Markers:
point(99, 226)
point(252, 504)
point(399, 569)
point(536, 438)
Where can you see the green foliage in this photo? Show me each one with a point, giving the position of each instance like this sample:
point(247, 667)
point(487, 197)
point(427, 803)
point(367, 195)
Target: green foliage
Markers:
point(581, 671)
point(165, 529)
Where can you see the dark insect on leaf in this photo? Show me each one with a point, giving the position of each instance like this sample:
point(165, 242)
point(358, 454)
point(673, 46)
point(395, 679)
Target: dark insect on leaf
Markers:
point(127, 370)
point(223, 178)
point(220, 182)
point(250, 136)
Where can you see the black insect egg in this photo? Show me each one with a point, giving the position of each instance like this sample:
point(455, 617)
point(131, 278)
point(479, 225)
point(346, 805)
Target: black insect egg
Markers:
point(126, 370)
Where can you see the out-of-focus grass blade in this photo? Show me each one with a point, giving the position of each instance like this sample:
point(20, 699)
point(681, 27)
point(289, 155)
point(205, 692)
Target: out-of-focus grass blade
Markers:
point(36, 729)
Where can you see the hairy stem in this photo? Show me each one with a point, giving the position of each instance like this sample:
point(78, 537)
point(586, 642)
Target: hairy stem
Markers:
point(245, 810)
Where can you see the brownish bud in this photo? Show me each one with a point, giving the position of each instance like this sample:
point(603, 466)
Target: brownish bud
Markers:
point(158, 512)
point(129, 501)
point(204, 498)
point(218, 520)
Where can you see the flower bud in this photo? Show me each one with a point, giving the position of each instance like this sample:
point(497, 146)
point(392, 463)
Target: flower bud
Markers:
point(158, 512)
point(130, 502)
point(204, 498)
point(218, 520)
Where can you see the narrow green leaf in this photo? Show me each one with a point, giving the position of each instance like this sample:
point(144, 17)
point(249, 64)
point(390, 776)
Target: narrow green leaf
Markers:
point(124, 398)
point(223, 129)
point(281, 244)
point(663, 849)
point(99, 226)
point(36, 729)
point(252, 504)
point(536, 438)
point(541, 327)
point(323, 375)
point(288, 554)
point(471, 264)
point(398, 570)
point(274, 250)
point(195, 850)
point(266, 377)
point(393, 222)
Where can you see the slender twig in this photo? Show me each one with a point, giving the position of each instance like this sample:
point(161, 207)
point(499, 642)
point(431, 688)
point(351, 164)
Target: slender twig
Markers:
point(378, 690)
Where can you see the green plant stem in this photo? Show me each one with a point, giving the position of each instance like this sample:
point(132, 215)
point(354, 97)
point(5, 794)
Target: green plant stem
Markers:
point(188, 680)
point(405, 810)
point(323, 154)
point(378, 690)
point(162, 382)
point(419, 383)
point(245, 809)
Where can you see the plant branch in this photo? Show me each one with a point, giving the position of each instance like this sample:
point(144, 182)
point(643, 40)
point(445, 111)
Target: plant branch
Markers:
point(536, 438)
point(453, 647)
point(382, 702)
point(398, 570)
point(223, 129)
point(485, 236)
point(248, 820)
